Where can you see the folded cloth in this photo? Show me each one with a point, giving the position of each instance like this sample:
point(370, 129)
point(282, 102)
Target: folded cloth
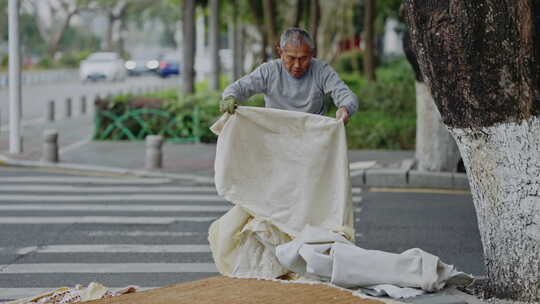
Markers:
point(324, 255)
point(283, 170)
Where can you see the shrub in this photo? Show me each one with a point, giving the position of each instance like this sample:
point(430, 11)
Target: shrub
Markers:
point(5, 61)
point(350, 62)
point(45, 62)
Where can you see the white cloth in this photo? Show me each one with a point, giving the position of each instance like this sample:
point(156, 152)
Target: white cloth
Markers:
point(283, 170)
point(320, 254)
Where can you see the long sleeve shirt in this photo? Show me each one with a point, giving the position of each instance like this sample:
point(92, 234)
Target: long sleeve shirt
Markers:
point(283, 91)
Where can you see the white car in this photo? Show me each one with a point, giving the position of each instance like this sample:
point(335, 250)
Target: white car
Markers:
point(103, 65)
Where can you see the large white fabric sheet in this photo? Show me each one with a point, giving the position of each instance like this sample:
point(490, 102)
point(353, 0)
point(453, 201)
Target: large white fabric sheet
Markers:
point(288, 175)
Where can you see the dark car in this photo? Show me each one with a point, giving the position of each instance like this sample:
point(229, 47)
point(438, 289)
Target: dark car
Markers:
point(169, 65)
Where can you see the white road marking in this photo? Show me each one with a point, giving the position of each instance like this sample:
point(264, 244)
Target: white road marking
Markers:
point(109, 198)
point(74, 145)
point(81, 180)
point(125, 208)
point(118, 220)
point(137, 233)
point(117, 189)
point(108, 268)
point(115, 248)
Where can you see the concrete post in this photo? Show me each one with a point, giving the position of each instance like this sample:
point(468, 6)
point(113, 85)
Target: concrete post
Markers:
point(154, 155)
point(82, 107)
point(50, 146)
point(68, 107)
point(15, 107)
point(49, 111)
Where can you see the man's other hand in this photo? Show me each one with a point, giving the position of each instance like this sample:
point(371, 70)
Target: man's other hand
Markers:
point(228, 105)
point(343, 115)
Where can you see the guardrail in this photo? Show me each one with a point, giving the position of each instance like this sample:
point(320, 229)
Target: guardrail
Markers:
point(40, 77)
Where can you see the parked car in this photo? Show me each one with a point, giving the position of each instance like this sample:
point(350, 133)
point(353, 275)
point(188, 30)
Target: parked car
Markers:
point(168, 65)
point(103, 66)
point(140, 66)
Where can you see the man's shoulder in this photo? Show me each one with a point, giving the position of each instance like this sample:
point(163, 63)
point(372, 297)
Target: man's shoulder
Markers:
point(320, 65)
point(274, 64)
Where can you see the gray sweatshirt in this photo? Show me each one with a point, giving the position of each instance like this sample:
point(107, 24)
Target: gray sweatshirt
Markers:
point(283, 91)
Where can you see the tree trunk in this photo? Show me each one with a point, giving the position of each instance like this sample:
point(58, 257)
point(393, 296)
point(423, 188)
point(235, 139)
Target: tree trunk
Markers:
point(270, 24)
point(481, 62)
point(54, 42)
point(436, 149)
point(237, 56)
point(110, 31)
point(314, 19)
point(188, 48)
point(214, 45)
point(298, 12)
point(258, 15)
point(369, 38)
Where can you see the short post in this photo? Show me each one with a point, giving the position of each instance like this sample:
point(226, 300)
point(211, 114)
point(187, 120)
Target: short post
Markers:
point(68, 107)
point(154, 155)
point(49, 111)
point(50, 146)
point(83, 105)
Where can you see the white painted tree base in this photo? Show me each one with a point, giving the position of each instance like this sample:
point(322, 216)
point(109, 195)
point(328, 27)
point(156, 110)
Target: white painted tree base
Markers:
point(436, 149)
point(503, 166)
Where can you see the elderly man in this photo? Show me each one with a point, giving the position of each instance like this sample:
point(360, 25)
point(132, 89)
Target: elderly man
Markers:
point(296, 81)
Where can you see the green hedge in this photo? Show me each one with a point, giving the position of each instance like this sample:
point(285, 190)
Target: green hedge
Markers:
point(386, 118)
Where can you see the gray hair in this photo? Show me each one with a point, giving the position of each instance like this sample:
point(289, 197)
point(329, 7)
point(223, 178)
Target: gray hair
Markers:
point(296, 36)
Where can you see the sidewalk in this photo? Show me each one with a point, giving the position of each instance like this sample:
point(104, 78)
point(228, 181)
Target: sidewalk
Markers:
point(375, 168)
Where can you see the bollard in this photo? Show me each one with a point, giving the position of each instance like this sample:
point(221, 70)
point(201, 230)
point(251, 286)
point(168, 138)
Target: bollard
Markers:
point(49, 111)
point(68, 107)
point(50, 146)
point(82, 107)
point(154, 155)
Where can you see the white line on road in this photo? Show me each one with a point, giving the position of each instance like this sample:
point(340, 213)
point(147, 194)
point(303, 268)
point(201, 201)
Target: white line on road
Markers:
point(110, 189)
point(138, 233)
point(117, 220)
point(115, 248)
point(109, 198)
point(81, 180)
point(124, 208)
point(74, 145)
point(109, 268)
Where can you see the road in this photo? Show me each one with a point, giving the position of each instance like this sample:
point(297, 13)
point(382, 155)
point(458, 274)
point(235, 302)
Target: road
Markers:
point(61, 228)
point(34, 97)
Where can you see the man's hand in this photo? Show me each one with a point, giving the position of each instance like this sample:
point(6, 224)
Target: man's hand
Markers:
point(343, 115)
point(228, 105)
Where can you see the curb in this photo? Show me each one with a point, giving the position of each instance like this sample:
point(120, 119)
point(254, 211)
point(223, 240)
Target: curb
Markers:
point(406, 178)
point(120, 171)
point(376, 177)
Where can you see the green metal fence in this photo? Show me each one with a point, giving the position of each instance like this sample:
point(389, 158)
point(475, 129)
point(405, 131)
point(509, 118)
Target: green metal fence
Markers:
point(136, 124)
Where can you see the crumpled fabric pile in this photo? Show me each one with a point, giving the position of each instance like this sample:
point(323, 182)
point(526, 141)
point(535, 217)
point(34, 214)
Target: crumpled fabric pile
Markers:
point(77, 294)
point(287, 174)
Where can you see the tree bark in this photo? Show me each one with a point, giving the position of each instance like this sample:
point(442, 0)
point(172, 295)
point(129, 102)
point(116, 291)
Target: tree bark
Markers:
point(258, 15)
point(214, 45)
point(188, 48)
point(270, 24)
point(314, 19)
point(369, 38)
point(436, 149)
point(298, 12)
point(481, 62)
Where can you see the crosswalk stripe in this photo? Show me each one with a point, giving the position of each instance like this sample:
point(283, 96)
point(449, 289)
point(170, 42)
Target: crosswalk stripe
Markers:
point(138, 233)
point(125, 208)
point(81, 180)
point(110, 197)
point(34, 220)
point(21, 293)
point(114, 248)
point(72, 189)
point(108, 268)
point(120, 197)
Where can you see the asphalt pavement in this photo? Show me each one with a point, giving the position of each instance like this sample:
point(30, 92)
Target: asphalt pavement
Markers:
point(64, 227)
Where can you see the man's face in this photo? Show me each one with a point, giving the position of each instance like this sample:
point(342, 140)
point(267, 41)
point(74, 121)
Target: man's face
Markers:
point(296, 58)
